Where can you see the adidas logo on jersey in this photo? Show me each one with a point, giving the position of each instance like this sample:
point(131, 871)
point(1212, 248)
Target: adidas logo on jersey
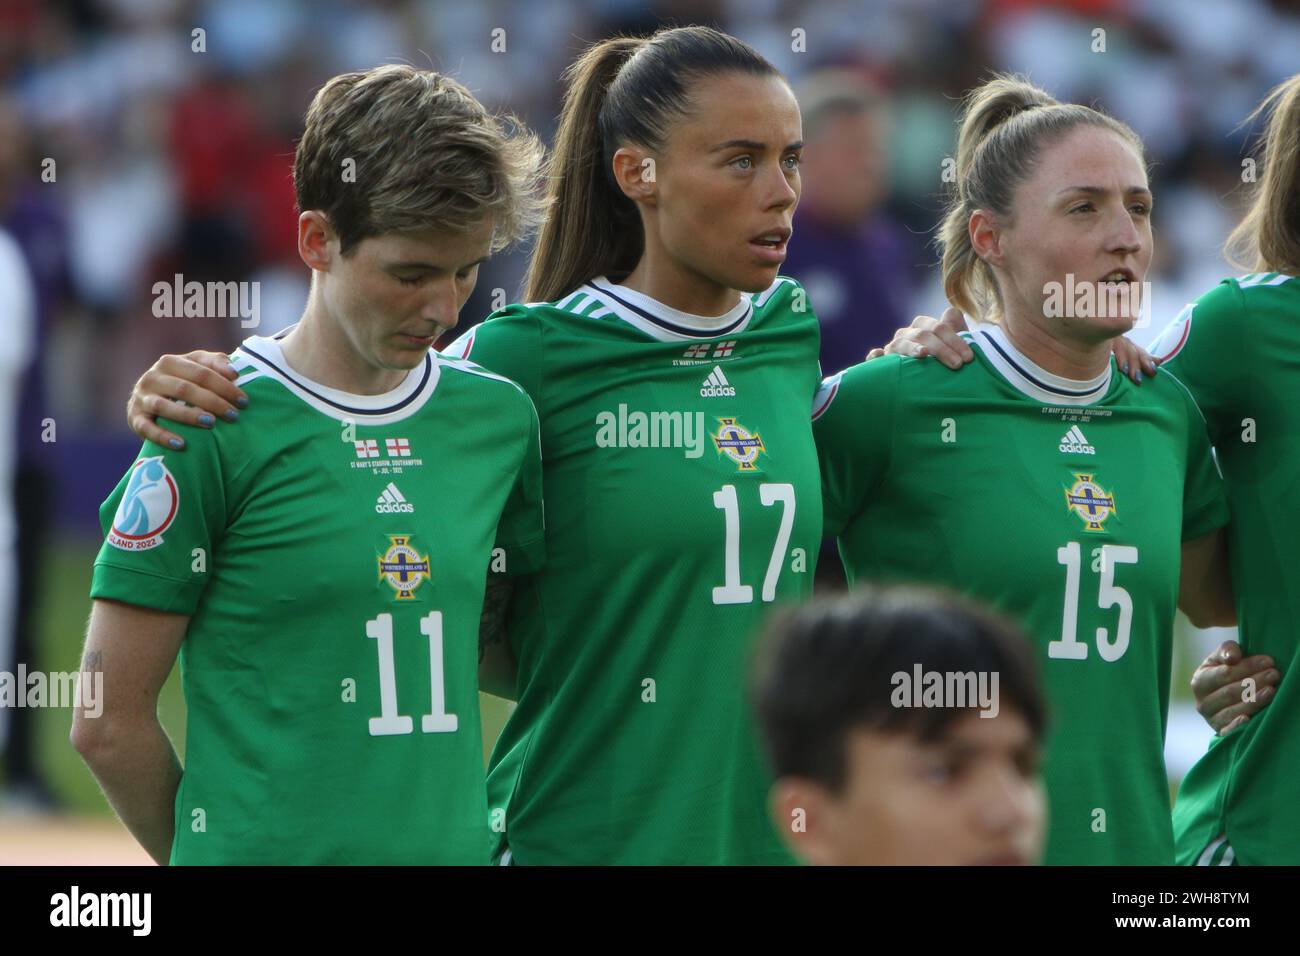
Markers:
point(1073, 443)
point(392, 502)
point(716, 385)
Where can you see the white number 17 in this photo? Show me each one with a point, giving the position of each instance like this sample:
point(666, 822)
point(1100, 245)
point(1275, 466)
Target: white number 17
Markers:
point(733, 592)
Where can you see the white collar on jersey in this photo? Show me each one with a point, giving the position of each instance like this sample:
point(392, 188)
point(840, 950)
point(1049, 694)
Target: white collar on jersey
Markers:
point(262, 355)
point(664, 322)
point(1033, 380)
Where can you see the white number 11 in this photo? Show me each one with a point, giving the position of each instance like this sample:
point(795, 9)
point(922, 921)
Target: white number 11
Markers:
point(389, 721)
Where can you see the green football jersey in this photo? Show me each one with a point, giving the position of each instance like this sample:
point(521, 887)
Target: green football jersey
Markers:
point(1237, 350)
point(1061, 503)
point(682, 502)
point(331, 552)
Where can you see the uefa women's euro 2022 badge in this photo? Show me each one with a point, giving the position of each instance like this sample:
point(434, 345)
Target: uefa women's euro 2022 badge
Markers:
point(148, 507)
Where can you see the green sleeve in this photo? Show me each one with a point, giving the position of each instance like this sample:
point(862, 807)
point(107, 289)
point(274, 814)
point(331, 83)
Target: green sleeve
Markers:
point(162, 525)
point(521, 531)
point(802, 305)
point(507, 343)
point(1205, 499)
point(796, 299)
point(1204, 349)
point(853, 424)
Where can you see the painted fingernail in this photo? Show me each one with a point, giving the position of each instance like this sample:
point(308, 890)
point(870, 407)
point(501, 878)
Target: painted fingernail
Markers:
point(207, 421)
point(1125, 368)
point(231, 416)
point(242, 401)
point(176, 444)
point(1138, 378)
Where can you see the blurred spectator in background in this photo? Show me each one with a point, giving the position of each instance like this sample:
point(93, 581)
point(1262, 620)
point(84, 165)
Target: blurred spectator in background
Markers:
point(853, 259)
point(38, 238)
point(17, 305)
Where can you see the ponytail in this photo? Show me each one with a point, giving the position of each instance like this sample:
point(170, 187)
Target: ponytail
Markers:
point(592, 227)
point(1268, 238)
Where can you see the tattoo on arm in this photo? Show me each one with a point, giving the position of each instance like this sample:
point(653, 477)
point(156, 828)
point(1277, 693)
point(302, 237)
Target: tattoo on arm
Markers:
point(94, 661)
point(496, 605)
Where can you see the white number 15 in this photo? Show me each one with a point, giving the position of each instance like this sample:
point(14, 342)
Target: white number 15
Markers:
point(1069, 647)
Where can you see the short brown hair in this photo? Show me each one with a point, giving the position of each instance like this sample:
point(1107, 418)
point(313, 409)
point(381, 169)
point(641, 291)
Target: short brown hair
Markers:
point(425, 154)
point(834, 92)
point(1004, 126)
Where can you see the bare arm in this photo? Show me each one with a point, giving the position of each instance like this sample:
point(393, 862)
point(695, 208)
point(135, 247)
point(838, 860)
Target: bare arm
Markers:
point(1205, 583)
point(195, 388)
point(1219, 684)
point(131, 650)
point(928, 336)
point(496, 663)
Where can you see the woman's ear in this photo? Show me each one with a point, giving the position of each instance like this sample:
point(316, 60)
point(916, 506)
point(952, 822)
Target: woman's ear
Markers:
point(986, 236)
point(635, 173)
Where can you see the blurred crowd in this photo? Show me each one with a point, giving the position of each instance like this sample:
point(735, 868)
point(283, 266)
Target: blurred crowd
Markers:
point(141, 139)
point(171, 123)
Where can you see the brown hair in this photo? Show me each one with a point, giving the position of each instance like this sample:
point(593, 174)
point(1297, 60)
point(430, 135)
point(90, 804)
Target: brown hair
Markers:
point(1004, 125)
point(1268, 238)
point(834, 92)
point(425, 154)
point(826, 669)
point(622, 90)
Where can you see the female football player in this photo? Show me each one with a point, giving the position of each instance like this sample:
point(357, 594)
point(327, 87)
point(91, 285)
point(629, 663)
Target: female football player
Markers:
point(1236, 350)
point(1036, 478)
point(324, 602)
point(1233, 350)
